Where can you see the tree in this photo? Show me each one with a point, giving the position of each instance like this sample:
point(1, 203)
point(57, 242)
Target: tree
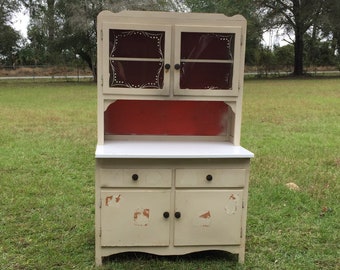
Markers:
point(230, 8)
point(331, 28)
point(284, 56)
point(8, 36)
point(59, 27)
point(9, 43)
point(295, 16)
point(265, 61)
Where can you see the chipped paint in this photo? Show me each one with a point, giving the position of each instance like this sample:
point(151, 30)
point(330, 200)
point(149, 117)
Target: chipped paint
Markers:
point(205, 215)
point(113, 200)
point(205, 219)
point(118, 198)
point(232, 204)
point(202, 219)
point(108, 200)
point(146, 213)
point(141, 217)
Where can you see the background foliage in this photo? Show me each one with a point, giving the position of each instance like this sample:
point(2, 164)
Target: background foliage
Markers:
point(64, 32)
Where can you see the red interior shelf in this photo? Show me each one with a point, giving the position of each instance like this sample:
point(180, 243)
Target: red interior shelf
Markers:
point(166, 117)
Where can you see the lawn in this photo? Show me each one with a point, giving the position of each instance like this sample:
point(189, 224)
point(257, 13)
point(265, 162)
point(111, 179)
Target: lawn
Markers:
point(47, 144)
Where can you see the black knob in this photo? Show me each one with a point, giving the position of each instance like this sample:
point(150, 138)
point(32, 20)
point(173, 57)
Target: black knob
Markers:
point(209, 177)
point(167, 66)
point(177, 214)
point(177, 66)
point(166, 215)
point(135, 177)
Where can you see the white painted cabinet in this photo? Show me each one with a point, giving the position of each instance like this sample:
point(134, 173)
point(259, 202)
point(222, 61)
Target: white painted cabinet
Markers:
point(171, 176)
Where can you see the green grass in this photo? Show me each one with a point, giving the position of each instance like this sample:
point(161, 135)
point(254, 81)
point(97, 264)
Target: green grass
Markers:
point(47, 144)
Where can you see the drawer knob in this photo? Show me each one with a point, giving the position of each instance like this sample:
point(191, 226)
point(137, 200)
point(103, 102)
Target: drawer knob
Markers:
point(135, 177)
point(177, 66)
point(177, 215)
point(167, 66)
point(166, 214)
point(209, 177)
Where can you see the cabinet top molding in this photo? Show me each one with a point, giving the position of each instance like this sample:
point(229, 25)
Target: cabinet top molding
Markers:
point(137, 15)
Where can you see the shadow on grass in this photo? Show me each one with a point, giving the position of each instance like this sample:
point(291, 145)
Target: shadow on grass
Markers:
point(202, 257)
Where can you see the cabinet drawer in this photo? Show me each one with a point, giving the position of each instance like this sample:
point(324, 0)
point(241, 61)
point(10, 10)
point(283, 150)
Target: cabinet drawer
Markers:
point(206, 178)
point(135, 177)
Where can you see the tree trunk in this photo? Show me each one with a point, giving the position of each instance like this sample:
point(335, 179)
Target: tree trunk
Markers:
point(50, 24)
point(87, 58)
point(50, 19)
point(298, 51)
point(298, 29)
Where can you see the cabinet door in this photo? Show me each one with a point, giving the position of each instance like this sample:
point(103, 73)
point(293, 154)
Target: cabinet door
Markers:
point(207, 60)
point(135, 59)
point(135, 217)
point(208, 217)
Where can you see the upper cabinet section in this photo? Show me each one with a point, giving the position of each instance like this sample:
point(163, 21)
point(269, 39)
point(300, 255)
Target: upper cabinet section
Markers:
point(170, 54)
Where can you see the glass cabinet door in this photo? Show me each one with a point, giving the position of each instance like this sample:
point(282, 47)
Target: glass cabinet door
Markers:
point(206, 60)
point(138, 58)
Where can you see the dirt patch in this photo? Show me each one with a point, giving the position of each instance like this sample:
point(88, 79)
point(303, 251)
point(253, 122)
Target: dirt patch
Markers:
point(43, 71)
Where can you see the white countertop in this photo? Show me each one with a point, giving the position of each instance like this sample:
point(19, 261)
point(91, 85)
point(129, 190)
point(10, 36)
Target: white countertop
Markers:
point(170, 149)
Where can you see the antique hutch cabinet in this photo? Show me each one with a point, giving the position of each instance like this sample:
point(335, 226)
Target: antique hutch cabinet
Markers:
point(171, 176)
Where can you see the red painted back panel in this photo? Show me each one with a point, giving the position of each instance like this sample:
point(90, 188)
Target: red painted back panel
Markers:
point(164, 117)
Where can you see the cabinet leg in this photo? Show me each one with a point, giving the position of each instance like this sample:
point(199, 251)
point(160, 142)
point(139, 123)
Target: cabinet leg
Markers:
point(99, 261)
point(241, 257)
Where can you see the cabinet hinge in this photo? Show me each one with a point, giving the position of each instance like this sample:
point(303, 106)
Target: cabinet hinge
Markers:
point(101, 34)
point(242, 204)
point(100, 204)
point(241, 233)
point(101, 80)
point(100, 232)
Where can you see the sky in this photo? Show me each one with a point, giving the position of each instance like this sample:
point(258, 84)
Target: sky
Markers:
point(20, 22)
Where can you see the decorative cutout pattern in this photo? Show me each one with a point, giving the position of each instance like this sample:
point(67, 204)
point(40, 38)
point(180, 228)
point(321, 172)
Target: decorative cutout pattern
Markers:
point(136, 59)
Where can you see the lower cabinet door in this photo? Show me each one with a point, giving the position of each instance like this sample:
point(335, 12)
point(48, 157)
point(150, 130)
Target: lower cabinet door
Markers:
point(208, 217)
point(135, 217)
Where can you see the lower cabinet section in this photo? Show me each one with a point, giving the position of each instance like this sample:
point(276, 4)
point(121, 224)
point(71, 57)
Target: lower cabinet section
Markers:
point(170, 206)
